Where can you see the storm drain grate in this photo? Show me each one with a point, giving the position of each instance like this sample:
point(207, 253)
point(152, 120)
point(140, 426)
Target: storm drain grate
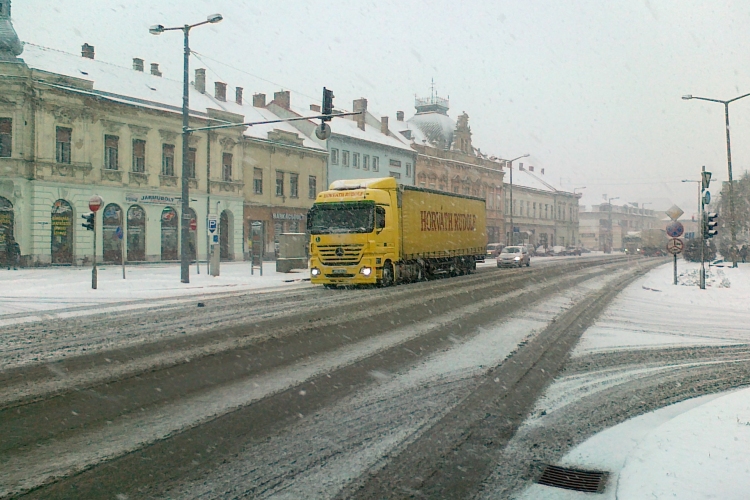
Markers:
point(573, 479)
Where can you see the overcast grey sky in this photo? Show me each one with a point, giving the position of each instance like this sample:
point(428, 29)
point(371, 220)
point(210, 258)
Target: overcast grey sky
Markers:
point(591, 89)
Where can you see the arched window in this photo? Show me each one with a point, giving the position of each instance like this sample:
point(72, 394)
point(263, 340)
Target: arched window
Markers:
point(62, 232)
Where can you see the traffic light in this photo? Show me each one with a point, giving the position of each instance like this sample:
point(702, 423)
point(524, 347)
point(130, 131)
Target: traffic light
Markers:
point(712, 225)
point(327, 104)
point(89, 225)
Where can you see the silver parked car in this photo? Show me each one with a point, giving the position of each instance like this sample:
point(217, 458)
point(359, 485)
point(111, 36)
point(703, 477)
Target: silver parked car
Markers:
point(515, 256)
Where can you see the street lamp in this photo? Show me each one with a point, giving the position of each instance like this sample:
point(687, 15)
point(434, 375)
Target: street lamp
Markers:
point(611, 232)
point(575, 189)
point(510, 166)
point(185, 219)
point(732, 226)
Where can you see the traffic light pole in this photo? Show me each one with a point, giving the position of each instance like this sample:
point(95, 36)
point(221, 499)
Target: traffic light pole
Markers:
point(703, 236)
point(93, 270)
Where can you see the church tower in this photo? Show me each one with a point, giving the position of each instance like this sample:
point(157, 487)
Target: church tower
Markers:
point(10, 45)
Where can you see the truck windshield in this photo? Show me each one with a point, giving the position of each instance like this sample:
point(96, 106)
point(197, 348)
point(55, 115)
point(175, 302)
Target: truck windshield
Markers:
point(350, 217)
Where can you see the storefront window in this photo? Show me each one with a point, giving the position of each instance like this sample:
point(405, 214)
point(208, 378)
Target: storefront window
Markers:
point(169, 232)
point(112, 233)
point(136, 234)
point(62, 232)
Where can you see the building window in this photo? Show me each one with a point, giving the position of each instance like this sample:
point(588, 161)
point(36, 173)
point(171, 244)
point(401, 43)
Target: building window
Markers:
point(520, 208)
point(312, 190)
point(395, 164)
point(345, 158)
point(167, 159)
point(258, 181)
point(355, 160)
point(192, 152)
point(226, 167)
point(111, 143)
point(294, 185)
point(534, 205)
point(365, 162)
point(139, 155)
point(279, 183)
point(6, 137)
point(63, 145)
point(395, 175)
point(334, 156)
point(408, 169)
point(375, 164)
point(455, 189)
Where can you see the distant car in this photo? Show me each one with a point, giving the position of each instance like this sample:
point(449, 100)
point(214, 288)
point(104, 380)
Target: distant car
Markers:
point(584, 250)
point(540, 251)
point(558, 250)
point(530, 249)
point(572, 251)
point(493, 250)
point(515, 256)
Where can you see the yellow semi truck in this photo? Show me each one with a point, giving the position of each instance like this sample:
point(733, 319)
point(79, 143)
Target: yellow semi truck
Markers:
point(373, 231)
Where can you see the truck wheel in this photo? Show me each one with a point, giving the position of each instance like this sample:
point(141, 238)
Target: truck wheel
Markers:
point(387, 275)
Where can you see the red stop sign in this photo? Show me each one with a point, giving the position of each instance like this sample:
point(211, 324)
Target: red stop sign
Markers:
point(193, 225)
point(95, 203)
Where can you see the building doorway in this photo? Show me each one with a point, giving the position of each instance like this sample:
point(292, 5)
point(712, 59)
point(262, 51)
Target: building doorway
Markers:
point(169, 231)
point(136, 234)
point(111, 234)
point(225, 235)
point(192, 235)
point(6, 226)
point(62, 232)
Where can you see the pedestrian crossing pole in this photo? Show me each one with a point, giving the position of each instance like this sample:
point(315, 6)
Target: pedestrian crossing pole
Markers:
point(95, 203)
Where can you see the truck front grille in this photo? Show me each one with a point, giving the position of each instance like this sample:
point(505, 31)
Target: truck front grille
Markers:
point(340, 255)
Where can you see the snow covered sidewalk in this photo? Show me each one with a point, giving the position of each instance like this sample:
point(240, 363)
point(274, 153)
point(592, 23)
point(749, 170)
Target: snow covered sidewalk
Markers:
point(694, 449)
point(27, 292)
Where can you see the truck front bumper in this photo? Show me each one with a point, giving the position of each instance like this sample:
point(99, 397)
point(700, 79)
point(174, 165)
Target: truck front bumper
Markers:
point(363, 273)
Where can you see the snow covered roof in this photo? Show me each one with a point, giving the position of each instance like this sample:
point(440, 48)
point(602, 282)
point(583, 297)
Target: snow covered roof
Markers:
point(348, 127)
point(146, 90)
point(524, 178)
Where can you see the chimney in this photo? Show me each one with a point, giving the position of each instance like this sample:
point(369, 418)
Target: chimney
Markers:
point(200, 80)
point(238, 95)
point(531, 168)
point(138, 64)
point(542, 171)
point(315, 107)
point(155, 69)
point(259, 100)
point(220, 91)
point(399, 116)
point(384, 125)
point(360, 105)
point(282, 98)
point(87, 51)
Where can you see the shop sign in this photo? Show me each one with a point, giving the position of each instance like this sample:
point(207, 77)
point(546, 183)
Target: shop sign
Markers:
point(285, 216)
point(154, 199)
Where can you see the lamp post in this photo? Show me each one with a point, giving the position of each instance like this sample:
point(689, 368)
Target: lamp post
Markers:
point(185, 218)
point(611, 232)
point(732, 225)
point(510, 167)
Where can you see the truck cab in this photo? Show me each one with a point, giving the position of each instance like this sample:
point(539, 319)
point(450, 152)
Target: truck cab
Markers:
point(354, 232)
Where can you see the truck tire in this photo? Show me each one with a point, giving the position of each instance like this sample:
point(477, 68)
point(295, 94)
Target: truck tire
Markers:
point(387, 279)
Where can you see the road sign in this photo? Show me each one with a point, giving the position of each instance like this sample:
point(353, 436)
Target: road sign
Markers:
point(674, 212)
point(675, 229)
point(675, 246)
point(118, 232)
point(213, 223)
point(95, 203)
point(706, 198)
point(193, 225)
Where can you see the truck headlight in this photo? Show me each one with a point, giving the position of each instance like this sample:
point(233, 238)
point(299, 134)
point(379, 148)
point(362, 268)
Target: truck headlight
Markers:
point(517, 258)
point(366, 271)
point(315, 271)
